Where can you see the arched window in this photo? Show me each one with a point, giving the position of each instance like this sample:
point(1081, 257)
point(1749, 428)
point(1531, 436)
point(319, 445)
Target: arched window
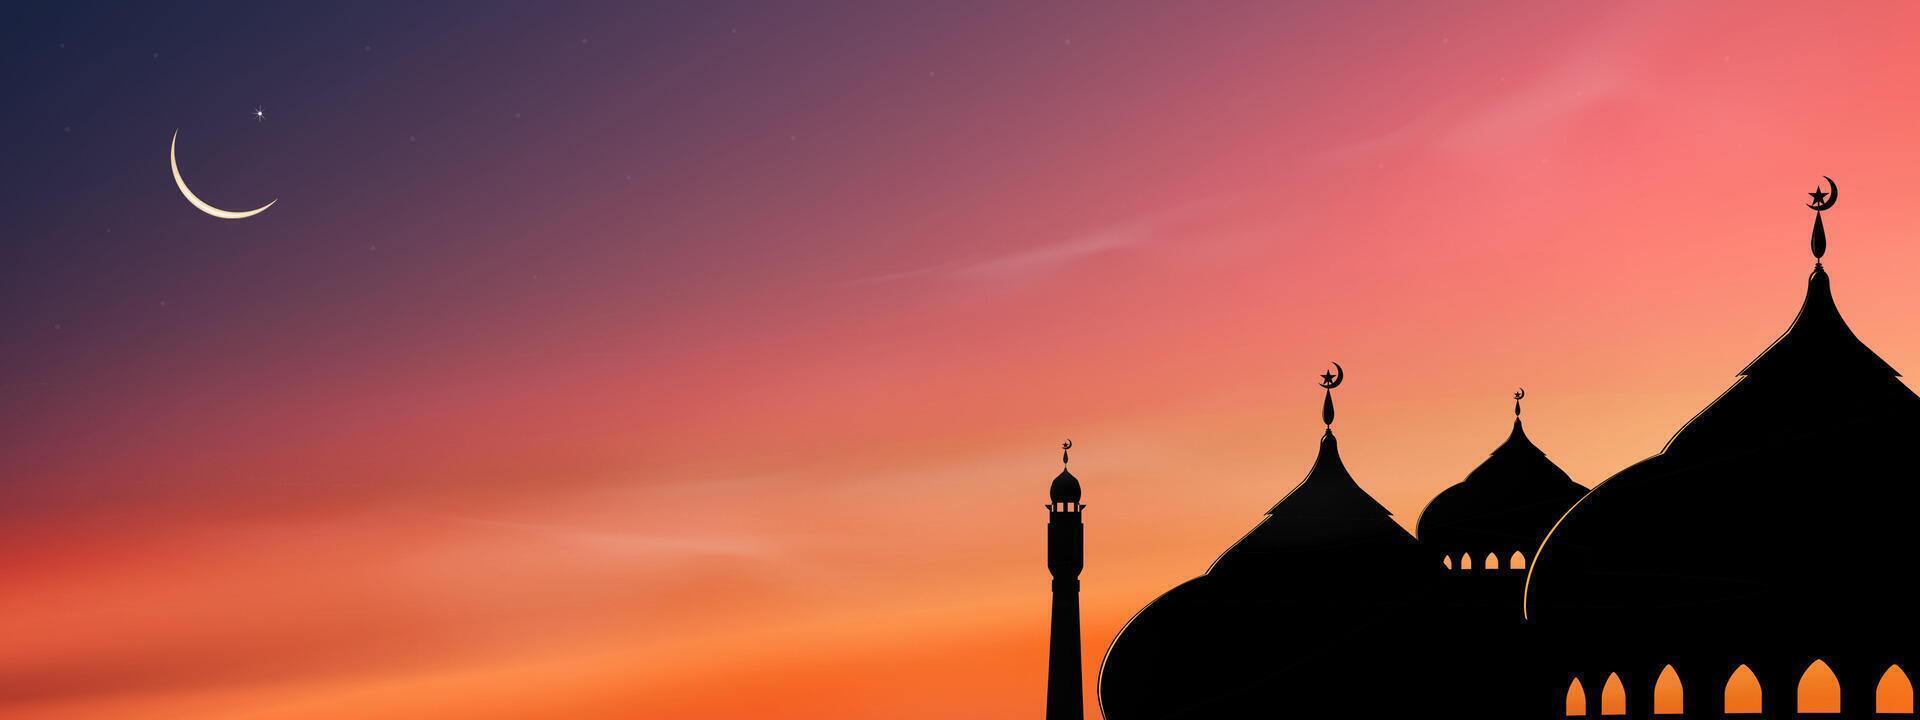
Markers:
point(1894, 696)
point(1819, 689)
point(1669, 698)
point(1466, 561)
point(1613, 696)
point(1576, 699)
point(1518, 561)
point(1492, 563)
point(1743, 692)
point(1447, 562)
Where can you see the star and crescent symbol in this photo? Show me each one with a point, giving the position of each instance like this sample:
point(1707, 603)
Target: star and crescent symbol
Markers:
point(1332, 378)
point(1823, 199)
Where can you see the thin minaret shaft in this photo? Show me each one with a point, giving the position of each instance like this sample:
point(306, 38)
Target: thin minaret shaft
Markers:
point(1066, 555)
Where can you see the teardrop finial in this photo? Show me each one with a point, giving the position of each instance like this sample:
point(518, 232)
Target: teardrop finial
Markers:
point(1330, 379)
point(1518, 395)
point(1822, 200)
point(1819, 239)
point(1064, 447)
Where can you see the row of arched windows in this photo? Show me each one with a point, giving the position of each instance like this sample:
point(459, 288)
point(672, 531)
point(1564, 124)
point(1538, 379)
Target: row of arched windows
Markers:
point(1817, 692)
point(1516, 561)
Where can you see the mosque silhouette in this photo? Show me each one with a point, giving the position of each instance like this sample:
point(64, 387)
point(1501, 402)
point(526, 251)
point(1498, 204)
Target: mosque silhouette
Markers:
point(1769, 544)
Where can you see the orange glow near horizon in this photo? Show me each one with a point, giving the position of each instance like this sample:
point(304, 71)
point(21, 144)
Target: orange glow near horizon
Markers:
point(772, 438)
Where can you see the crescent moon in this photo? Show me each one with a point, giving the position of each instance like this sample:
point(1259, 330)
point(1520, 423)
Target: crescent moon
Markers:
point(1521, 394)
point(1832, 197)
point(1339, 376)
point(173, 158)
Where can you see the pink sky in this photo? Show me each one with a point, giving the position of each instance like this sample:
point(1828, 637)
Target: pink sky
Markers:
point(771, 439)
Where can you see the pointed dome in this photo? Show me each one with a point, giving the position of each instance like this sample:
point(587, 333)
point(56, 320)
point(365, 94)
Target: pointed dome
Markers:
point(1819, 340)
point(1508, 503)
point(1791, 485)
point(1066, 488)
point(1327, 516)
point(1282, 620)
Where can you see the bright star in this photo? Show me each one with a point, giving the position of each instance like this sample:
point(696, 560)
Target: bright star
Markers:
point(259, 114)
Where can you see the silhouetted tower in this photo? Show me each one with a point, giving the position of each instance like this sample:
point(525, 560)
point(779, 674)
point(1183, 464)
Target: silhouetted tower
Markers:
point(1066, 554)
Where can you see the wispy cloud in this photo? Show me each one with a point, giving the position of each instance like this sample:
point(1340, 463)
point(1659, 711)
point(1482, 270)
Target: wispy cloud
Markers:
point(1566, 93)
point(1132, 232)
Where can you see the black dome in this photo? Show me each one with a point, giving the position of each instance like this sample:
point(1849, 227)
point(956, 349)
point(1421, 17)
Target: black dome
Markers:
point(1065, 489)
point(1286, 619)
point(1791, 495)
point(1508, 503)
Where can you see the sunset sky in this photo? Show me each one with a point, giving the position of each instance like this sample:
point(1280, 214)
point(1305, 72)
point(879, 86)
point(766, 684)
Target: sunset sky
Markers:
point(709, 361)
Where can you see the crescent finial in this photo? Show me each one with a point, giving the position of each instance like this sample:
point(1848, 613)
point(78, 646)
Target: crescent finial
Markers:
point(1064, 447)
point(1518, 395)
point(1330, 379)
point(1824, 199)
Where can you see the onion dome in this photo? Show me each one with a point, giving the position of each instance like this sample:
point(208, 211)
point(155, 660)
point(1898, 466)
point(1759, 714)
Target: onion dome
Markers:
point(1326, 519)
point(1784, 508)
point(1287, 620)
point(1066, 487)
point(1505, 505)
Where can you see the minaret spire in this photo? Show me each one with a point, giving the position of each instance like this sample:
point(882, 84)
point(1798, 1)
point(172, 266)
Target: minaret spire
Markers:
point(1518, 395)
point(1066, 555)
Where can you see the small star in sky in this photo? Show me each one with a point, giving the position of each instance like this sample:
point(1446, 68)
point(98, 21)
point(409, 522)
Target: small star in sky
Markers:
point(259, 114)
point(1818, 195)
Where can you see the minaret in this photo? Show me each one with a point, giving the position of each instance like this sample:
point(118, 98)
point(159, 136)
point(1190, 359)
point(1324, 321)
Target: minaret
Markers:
point(1066, 554)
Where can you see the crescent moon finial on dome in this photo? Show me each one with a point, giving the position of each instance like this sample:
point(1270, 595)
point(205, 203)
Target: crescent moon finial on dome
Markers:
point(1064, 447)
point(1330, 379)
point(1518, 395)
point(1824, 199)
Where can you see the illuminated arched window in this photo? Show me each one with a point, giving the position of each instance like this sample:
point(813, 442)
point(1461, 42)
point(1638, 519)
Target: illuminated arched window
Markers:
point(1492, 563)
point(1894, 696)
point(1576, 699)
point(1669, 698)
point(1447, 562)
point(1518, 561)
point(1743, 692)
point(1613, 696)
point(1819, 689)
point(1466, 561)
